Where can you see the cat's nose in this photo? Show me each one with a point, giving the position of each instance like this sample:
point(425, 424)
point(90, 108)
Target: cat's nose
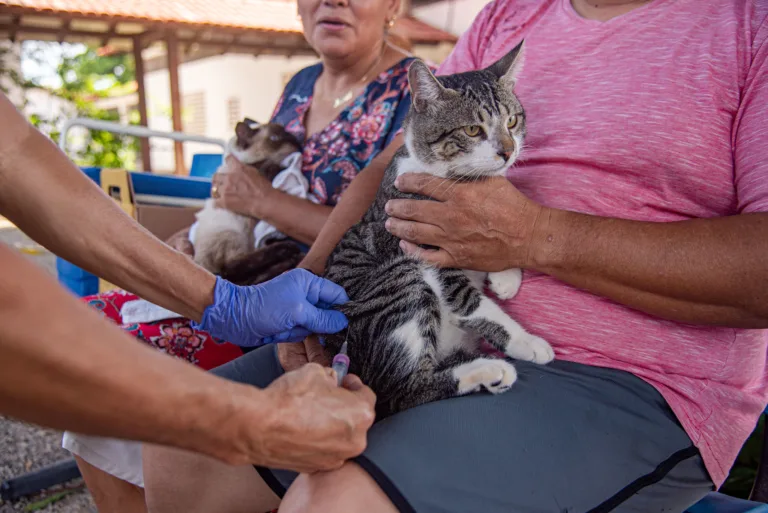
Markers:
point(505, 154)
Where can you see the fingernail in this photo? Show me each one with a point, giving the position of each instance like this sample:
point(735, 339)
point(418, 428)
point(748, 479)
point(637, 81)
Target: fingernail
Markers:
point(388, 224)
point(402, 245)
point(388, 207)
point(397, 182)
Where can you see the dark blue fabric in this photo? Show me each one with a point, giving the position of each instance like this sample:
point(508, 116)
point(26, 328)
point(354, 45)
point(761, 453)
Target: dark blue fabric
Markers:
point(565, 438)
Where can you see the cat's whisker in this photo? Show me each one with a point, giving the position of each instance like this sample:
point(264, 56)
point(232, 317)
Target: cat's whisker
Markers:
point(444, 181)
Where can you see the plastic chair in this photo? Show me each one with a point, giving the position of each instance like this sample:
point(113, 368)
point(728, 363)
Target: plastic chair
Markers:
point(721, 503)
point(76, 280)
point(204, 165)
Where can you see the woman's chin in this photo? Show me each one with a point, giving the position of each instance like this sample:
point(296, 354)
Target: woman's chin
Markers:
point(337, 47)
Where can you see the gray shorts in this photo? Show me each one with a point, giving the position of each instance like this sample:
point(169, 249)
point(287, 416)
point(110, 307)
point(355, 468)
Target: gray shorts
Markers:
point(565, 438)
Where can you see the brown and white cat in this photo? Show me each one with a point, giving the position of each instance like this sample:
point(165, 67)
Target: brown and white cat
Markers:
point(223, 238)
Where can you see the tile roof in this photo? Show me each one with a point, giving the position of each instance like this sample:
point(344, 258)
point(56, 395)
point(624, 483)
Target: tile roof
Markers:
point(262, 15)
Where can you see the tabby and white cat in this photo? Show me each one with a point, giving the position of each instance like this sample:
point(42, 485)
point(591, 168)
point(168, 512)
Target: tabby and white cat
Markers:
point(414, 330)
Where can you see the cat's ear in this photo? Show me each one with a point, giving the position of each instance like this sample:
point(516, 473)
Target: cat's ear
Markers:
point(507, 69)
point(426, 91)
point(243, 131)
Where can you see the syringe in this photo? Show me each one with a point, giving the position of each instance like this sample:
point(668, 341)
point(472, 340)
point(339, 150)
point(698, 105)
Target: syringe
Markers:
point(341, 363)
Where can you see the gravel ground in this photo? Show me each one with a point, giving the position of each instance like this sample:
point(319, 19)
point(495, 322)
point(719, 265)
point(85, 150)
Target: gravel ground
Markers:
point(25, 448)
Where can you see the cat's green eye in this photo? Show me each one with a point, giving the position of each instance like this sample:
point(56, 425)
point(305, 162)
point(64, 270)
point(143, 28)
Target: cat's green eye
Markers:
point(472, 130)
point(512, 123)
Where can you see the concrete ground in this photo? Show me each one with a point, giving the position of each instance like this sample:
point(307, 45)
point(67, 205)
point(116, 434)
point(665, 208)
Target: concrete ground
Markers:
point(24, 447)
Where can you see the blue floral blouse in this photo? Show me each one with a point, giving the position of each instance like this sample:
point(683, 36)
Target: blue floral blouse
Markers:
point(337, 153)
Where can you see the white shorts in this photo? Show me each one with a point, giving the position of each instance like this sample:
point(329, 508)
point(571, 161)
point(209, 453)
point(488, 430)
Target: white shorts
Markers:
point(120, 458)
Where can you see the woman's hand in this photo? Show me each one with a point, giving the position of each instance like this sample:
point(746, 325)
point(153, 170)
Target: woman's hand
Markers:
point(241, 189)
point(485, 226)
point(295, 356)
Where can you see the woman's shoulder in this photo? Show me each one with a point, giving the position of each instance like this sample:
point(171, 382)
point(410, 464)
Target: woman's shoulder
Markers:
point(304, 79)
point(396, 77)
point(401, 67)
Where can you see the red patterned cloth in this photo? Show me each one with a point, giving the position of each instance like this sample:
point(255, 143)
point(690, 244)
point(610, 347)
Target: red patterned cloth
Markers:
point(175, 337)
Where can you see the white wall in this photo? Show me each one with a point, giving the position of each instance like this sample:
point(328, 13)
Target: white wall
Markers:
point(256, 81)
point(454, 16)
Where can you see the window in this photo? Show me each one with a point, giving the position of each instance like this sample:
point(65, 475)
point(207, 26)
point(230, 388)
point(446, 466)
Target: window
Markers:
point(233, 112)
point(194, 118)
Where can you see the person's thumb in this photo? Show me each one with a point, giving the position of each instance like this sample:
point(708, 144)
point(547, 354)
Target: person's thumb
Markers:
point(323, 321)
point(352, 383)
point(357, 387)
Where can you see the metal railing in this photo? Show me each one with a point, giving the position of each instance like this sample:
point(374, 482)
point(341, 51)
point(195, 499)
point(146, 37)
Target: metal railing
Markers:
point(133, 130)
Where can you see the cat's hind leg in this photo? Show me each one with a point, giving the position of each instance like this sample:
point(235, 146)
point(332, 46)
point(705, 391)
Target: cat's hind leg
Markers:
point(501, 331)
point(477, 313)
point(474, 374)
point(460, 374)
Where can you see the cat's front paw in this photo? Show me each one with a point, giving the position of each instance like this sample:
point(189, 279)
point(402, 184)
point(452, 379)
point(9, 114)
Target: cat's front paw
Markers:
point(493, 374)
point(531, 348)
point(505, 284)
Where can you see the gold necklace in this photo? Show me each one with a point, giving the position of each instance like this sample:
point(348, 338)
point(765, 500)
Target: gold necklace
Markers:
point(341, 100)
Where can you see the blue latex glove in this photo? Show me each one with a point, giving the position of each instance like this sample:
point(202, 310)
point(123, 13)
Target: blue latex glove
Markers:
point(285, 309)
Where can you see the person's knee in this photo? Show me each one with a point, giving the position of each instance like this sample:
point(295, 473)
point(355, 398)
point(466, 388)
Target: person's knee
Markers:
point(177, 480)
point(168, 473)
point(110, 493)
point(348, 489)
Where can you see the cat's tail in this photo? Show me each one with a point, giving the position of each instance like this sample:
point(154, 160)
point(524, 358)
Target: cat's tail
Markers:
point(263, 264)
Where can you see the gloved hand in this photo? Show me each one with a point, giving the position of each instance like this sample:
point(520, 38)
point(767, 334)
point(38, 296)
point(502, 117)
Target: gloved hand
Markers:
point(284, 309)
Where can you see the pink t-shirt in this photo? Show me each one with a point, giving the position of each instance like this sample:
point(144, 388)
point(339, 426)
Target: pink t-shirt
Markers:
point(660, 114)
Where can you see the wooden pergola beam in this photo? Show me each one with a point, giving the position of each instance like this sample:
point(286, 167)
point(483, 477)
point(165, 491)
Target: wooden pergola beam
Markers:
point(227, 47)
point(14, 27)
point(172, 44)
point(66, 25)
point(111, 32)
point(146, 155)
point(152, 36)
point(150, 25)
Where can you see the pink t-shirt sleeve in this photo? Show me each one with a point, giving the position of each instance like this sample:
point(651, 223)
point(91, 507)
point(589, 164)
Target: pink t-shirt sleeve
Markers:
point(467, 54)
point(750, 131)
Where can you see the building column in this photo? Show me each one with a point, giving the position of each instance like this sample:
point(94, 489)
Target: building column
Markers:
point(146, 158)
point(172, 46)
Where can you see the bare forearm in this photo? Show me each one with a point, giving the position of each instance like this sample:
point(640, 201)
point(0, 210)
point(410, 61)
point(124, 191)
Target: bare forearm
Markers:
point(298, 218)
point(704, 271)
point(76, 371)
point(350, 209)
point(46, 196)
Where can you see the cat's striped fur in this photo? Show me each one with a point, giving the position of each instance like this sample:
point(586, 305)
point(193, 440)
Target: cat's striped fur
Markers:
point(414, 330)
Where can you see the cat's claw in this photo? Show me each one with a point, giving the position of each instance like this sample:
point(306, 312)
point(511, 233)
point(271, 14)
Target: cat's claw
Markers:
point(531, 349)
point(506, 284)
point(493, 374)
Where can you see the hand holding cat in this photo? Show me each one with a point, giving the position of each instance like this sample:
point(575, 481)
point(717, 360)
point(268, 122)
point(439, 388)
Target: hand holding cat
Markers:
point(241, 189)
point(486, 225)
point(285, 309)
